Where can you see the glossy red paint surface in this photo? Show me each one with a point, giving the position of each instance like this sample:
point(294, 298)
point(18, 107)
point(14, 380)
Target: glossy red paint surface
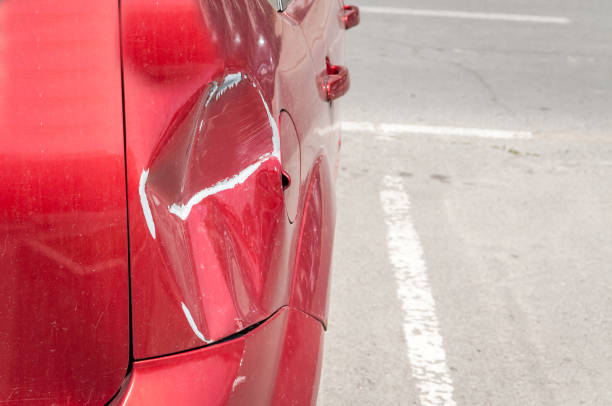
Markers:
point(334, 82)
point(275, 364)
point(64, 321)
point(212, 245)
point(350, 16)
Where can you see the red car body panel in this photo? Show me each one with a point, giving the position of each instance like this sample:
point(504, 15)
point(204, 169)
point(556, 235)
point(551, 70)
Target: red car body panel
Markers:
point(167, 166)
point(322, 25)
point(64, 296)
point(275, 364)
point(213, 247)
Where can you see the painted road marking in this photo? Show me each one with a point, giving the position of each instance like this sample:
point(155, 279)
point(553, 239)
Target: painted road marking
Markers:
point(421, 328)
point(520, 18)
point(391, 129)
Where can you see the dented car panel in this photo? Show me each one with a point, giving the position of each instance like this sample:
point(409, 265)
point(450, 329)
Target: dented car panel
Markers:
point(213, 247)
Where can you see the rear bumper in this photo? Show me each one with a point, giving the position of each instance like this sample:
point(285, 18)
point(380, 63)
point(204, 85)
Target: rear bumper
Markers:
point(277, 363)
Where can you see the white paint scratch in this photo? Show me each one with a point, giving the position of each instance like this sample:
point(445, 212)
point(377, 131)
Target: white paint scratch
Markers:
point(211, 92)
point(410, 129)
point(192, 324)
point(518, 18)
point(182, 210)
point(229, 81)
point(421, 328)
point(144, 202)
point(238, 381)
point(274, 126)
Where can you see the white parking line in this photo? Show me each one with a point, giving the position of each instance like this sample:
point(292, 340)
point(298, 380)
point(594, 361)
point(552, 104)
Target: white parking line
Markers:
point(467, 14)
point(421, 328)
point(390, 129)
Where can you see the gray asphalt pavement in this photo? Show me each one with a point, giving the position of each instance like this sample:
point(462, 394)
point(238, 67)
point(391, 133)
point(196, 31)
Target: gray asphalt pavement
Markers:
point(485, 259)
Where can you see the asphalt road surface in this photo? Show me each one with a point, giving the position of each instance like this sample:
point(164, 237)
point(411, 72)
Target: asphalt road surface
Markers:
point(473, 257)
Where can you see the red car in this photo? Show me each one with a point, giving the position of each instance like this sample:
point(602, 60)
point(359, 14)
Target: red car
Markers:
point(167, 211)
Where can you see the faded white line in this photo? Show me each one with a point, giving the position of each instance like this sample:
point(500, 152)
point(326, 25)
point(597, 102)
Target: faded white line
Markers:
point(399, 129)
point(144, 202)
point(193, 325)
point(421, 328)
point(521, 18)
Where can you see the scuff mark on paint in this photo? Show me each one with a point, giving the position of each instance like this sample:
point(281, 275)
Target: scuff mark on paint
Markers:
point(182, 211)
point(274, 126)
point(229, 81)
point(238, 381)
point(192, 324)
point(211, 93)
point(144, 202)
